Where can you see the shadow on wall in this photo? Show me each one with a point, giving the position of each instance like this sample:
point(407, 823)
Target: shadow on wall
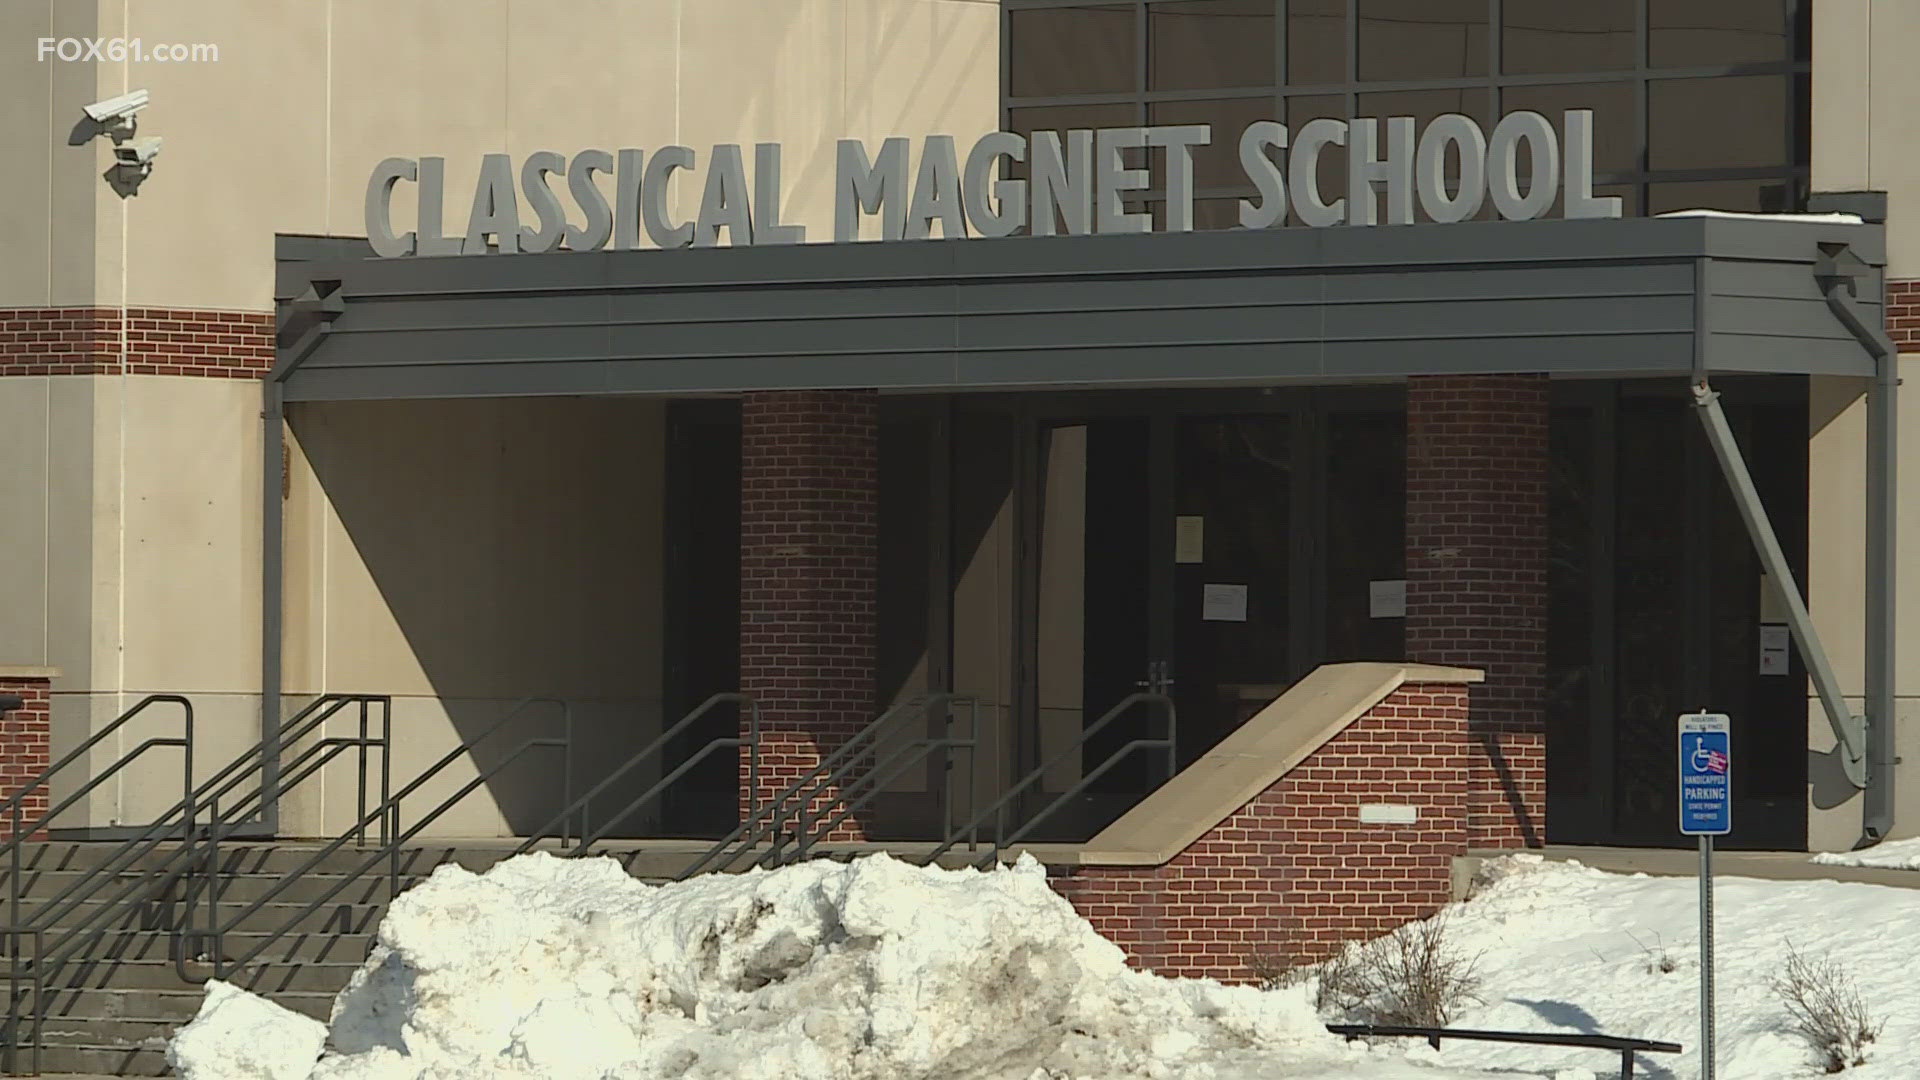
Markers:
point(488, 551)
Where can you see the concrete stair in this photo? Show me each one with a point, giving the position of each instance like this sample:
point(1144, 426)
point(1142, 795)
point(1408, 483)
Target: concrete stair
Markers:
point(111, 1009)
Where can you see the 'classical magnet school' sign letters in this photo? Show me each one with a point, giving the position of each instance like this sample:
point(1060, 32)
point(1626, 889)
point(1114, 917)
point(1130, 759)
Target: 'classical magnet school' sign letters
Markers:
point(1078, 180)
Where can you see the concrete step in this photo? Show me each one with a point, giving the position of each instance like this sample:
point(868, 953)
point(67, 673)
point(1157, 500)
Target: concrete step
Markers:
point(48, 886)
point(162, 915)
point(174, 1005)
point(160, 945)
point(284, 856)
point(314, 976)
point(243, 857)
point(99, 1060)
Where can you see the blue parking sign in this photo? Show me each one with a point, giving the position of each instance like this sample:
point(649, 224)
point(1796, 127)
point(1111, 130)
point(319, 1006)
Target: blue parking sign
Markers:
point(1706, 774)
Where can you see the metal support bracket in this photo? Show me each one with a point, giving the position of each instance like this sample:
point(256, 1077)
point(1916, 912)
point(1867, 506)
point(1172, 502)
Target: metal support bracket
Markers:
point(1849, 730)
point(1841, 276)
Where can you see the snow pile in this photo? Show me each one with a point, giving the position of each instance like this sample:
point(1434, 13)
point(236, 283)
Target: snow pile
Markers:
point(1886, 855)
point(238, 1034)
point(560, 969)
point(1567, 948)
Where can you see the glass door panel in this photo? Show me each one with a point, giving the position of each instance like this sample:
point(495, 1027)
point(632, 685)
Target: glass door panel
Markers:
point(1092, 611)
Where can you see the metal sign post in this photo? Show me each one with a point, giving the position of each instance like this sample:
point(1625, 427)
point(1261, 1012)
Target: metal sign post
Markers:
point(1706, 811)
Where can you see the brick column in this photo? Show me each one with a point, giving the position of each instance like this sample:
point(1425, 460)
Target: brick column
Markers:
point(1477, 579)
point(25, 744)
point(809, 482)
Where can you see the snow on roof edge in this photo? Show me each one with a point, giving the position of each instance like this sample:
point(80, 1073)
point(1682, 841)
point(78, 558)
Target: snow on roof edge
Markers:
point(1815, 219)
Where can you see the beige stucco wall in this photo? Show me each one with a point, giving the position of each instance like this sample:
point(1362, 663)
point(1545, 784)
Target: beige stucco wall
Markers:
point(279, 134)
point(138, 496)
point(1865, 135)
point(462, 555)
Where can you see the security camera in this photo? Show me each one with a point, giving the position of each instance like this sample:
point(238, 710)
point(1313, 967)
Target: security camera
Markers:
point(137, 153)
point(119, 109)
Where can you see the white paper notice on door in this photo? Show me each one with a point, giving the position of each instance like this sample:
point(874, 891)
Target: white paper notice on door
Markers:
point(1223, 603)
point(1774, 642)
point(1387, 599)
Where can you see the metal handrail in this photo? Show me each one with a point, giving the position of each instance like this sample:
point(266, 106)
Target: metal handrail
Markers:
point(765, 819)
point(852, 800)
point(763, 822)
point(997, 810)
point(581, 804)
point(1624, 1045)
point(134, 848)
point(85, 888)
point(10, 1047)
point(21, 830)
point(394, 839)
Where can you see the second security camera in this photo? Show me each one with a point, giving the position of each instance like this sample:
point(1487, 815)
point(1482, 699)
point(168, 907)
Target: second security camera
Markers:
point(137, 154)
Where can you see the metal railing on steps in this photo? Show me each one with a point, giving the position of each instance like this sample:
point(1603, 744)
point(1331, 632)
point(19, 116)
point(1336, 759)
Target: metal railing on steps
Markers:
point(393, 839)
point(212, 937)
point(655, 751)
point(999, 809)
point(790, 814)
point(56, 946)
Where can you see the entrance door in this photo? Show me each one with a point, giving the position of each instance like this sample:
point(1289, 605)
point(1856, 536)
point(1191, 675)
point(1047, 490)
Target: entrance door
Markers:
point(1235, 643)
point(1164, 550)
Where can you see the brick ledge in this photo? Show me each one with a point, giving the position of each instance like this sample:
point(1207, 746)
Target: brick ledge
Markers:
point(1250, 760)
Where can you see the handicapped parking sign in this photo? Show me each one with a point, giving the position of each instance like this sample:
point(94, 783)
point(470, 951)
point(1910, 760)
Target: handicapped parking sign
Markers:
point(1706, 774)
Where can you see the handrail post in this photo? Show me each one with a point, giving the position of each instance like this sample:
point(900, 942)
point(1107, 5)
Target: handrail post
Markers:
point(386, 764)
point(360, 780)
point(215, 952)
point(566, 771)
point(13, 907)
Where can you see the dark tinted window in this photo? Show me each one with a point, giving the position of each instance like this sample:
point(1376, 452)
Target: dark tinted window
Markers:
point(1071, 50)
point(1424, 105)
point(1202, 44)
point(1750, 196)
point(1558, 35)
point(1699, 33)
point(1718, 99)
point(1422, 39)
point(1717, 123)
point(1316, 42)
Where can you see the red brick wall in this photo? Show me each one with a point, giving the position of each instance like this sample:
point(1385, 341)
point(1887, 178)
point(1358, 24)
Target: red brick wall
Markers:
point(1903, 314)
point(25, 749)
point(158, 341)
point(1294, 872)
point(1477, 578)
point(809, 482)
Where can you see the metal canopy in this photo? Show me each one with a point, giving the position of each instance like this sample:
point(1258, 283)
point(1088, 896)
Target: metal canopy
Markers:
point(1630, 297)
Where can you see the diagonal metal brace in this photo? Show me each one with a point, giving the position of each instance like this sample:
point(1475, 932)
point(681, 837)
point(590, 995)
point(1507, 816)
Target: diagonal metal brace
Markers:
point(1849, 730)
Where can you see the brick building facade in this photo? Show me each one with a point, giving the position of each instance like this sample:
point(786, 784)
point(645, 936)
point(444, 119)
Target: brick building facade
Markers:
point(1295, 872)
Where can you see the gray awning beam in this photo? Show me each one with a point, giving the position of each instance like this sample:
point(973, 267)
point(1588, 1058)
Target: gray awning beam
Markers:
point(1849, 730)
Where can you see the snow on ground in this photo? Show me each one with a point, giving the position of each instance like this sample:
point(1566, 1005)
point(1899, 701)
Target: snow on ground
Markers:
point(1569, 948)
point(1888, 854)
point(564, 969)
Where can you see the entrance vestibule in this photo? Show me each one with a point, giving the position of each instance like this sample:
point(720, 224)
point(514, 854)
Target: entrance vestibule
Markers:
point(1049, 554)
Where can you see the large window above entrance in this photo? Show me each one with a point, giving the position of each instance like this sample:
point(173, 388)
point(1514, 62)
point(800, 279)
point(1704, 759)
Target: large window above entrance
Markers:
point(1697, 103)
